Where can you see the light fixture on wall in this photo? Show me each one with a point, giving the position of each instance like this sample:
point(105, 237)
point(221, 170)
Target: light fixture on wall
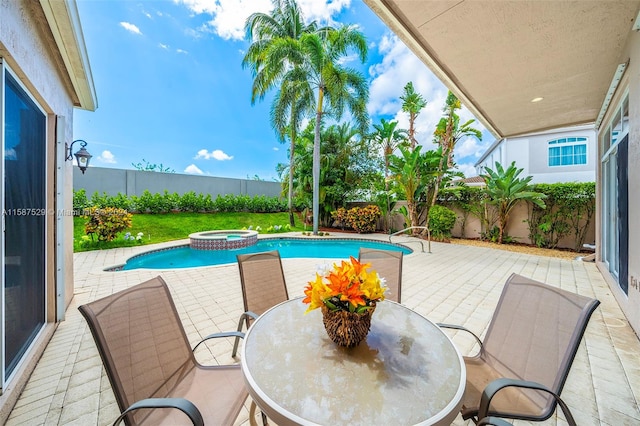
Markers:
point(82, 155)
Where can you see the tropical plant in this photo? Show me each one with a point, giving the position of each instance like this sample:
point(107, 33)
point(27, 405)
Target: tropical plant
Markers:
point(337, 86)
point(106, 223)
point(505, 190)
point(412, 103)
point(448, 132)
point(345, 167)
point(388, 138)
point(414, 174)
point(274, 51)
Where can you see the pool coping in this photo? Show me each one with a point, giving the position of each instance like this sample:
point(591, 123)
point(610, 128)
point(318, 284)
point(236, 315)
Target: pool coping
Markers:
point(348, 237)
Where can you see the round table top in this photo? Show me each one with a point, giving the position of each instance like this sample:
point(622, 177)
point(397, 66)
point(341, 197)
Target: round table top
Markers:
point(406, 372)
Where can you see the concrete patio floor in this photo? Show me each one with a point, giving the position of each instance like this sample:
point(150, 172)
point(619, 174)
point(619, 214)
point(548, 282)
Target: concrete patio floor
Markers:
point(454, 284)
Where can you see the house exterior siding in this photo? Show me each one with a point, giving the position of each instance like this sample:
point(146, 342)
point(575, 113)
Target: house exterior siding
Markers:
point(530, 152)
point(32, 55)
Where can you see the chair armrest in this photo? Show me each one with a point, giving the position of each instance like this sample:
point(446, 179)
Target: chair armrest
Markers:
point(459, 327)
point(495, 421)
point(236, 334)
point(496, 385)
point(243, 318)
point(181, 404)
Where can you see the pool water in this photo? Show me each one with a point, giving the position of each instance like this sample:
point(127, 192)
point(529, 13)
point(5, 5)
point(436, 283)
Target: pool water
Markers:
point(185, 257)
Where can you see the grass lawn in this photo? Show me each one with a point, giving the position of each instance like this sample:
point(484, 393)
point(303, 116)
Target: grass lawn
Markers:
point(158, 228)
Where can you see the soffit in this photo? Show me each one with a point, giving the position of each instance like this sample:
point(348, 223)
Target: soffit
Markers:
point(496, 56)
point(64, 22)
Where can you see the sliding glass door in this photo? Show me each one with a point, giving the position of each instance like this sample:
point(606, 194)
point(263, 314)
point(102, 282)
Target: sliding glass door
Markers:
point(24, 209)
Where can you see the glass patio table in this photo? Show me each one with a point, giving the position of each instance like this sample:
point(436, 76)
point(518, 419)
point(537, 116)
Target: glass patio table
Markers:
point(407, 372)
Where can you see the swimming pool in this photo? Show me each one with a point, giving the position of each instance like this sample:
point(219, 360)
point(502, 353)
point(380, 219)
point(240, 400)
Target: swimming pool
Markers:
point(185, 257)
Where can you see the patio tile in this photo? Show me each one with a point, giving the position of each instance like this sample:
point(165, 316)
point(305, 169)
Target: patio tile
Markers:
point(454, 283)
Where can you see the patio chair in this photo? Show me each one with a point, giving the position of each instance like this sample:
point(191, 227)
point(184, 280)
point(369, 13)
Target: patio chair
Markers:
point(527, 352)
point(388, 264)
point(151, 366)
point(263, 286)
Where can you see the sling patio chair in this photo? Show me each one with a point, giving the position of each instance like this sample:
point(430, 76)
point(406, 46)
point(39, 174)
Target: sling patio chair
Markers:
point(525, 357)
point(388, 265)
point(151, 366)
point(263, 286)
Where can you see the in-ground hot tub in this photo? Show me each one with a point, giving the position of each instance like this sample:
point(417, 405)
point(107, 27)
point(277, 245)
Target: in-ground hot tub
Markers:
point(222, 240)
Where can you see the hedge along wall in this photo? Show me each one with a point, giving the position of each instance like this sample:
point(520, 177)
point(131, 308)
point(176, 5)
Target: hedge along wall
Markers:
point(134, 182)
point(518, 226)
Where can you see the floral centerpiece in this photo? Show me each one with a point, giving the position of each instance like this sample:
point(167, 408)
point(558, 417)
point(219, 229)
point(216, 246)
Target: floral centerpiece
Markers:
point(347, 296)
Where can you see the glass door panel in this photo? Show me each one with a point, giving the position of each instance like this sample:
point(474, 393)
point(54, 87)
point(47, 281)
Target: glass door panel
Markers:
point(24, 215)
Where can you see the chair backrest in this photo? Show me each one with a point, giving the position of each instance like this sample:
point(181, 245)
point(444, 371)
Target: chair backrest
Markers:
point(534, 334)
point(262, 280)
point(388, 265)
point(141, 341)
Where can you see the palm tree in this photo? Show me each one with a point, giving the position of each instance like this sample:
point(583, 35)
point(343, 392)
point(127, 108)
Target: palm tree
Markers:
point(505, 189)
point(389, 139)
point(337, 87)
point(412, 104)
point(275, 49)
point(448, 132)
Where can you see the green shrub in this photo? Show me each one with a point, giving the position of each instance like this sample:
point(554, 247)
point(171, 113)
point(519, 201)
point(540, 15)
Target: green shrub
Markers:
point(340, 216)
point(106, 222)
point(363, 219)
point(80, 200)
point(188, 202)
point(441, 222)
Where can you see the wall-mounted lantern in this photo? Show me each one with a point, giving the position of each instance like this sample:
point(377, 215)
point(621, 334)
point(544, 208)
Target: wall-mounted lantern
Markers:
point(82, 155)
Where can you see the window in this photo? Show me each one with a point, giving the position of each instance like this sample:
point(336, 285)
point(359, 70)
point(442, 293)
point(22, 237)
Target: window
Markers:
point(568, 151)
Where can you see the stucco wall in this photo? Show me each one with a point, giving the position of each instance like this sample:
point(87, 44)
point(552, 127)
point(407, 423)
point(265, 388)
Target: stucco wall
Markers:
point(539, 159)
point(518, 228)
point(531, 154)
point(27, 49)
point(135, 182)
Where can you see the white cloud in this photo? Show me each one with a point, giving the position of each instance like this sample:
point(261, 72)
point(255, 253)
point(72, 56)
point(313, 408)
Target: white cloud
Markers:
point(470, 147)
point(184, 52)
point(468, 169)
point(163, 46)
point(107, 157)
point(193, 170)
point(275, 148)
point(130, 27)
point(399, 66)
point(215, 154)
point(229, 16)
point(321, 11)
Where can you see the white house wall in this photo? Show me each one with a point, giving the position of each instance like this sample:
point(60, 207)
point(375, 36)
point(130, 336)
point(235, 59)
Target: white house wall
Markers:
point(539, 159)
point(531, 155)
point(27, 48)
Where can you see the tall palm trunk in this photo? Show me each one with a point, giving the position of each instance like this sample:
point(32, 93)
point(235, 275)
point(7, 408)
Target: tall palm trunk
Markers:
point(316, 162)
point(292, 221)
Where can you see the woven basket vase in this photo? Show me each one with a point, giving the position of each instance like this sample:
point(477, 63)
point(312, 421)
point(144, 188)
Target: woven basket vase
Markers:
point(346, 329)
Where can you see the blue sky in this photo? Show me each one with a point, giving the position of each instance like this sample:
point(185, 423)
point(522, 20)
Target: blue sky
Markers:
point(171, 89)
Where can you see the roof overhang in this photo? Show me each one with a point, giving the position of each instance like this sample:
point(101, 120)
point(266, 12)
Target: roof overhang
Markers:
point(498, 56)
point(64, 22)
